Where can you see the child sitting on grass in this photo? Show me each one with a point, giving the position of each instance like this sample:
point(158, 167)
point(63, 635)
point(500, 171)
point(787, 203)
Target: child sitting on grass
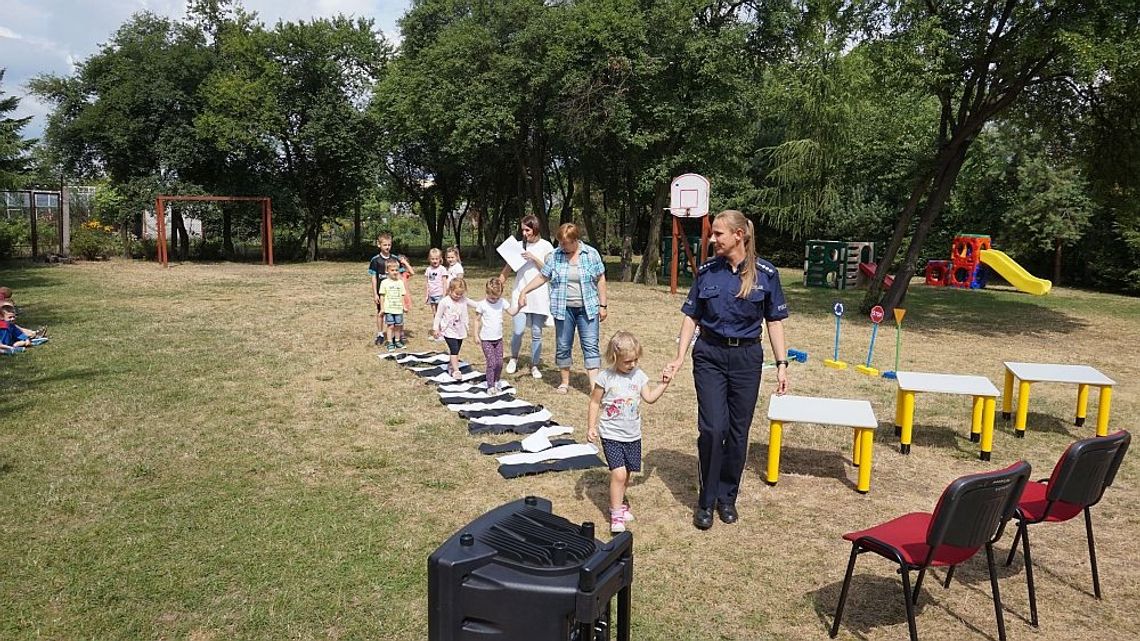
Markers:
point(394, 305)
point(451, 322)
point(489, 330)
point(13, 338)
point(615, 415)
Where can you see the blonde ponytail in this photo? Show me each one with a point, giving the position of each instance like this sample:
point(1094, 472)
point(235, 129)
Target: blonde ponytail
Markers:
point(737, 220)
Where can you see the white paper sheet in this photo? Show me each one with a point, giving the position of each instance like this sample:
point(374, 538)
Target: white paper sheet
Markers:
point(511, 250)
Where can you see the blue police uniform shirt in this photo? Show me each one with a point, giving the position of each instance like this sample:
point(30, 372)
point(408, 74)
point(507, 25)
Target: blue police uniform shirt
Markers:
point(712, 301)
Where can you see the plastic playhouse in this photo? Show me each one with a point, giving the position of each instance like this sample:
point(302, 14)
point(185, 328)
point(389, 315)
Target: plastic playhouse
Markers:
point(839, 264)
point(972, 256)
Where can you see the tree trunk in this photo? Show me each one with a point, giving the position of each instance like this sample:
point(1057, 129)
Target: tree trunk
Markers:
point(588, 214)
point(435, 224)
point(939, 194)
point(1057, 261)
point(628, 216)
point(356, 228)
point(227, 232)
point(875, 287)
point(647, 271)
point(311, 237)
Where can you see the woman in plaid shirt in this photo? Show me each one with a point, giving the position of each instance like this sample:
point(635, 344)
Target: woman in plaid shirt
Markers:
point(577, 278)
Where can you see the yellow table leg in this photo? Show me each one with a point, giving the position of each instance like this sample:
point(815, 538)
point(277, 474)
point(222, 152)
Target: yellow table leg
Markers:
point(855, 455)
point(976, 419)
point(898, 412)
point(1103, 410)
point(1007, 396)
point(907, 422)
point(1022, 409)
point(988, 428)
point(775, 434)
point(867, 438)
point(1082, 404)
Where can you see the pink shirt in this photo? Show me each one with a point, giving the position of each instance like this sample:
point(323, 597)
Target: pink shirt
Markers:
point(435, 277)
point(451, 318)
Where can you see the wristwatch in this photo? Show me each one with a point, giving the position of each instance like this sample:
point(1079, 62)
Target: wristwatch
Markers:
point(779, 363)
point(603, 306)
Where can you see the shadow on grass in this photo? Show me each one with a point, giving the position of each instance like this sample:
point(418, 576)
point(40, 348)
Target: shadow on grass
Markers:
point(677, 470)
point(799, 460)
point(595, 486)
point(1038, 422)
point(983, 313)
point(875, 601)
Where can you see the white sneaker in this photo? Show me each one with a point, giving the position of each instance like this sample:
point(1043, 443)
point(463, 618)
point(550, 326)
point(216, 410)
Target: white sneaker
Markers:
point(617, 523)
point(535, 373)
point(512, 366)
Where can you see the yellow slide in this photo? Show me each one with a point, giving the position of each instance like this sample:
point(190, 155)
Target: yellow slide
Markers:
point(1015, 274)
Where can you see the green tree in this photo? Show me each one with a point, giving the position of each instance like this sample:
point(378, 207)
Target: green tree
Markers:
point(1052, 209)
point(292, 100)
point(977, 59)
point(13, 147)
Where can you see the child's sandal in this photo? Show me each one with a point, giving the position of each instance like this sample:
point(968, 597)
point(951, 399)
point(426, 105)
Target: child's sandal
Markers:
point(562, 389)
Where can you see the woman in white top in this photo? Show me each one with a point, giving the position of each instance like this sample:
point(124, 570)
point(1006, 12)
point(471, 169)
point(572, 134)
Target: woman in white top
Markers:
point(536, 250)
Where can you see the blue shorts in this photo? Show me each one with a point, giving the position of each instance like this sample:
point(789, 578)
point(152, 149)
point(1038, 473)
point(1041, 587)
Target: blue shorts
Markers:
point(623, 454)
point(434, 300)
point(393, 319)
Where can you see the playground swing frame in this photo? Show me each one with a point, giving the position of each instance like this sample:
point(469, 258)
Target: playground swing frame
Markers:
point(266, 222)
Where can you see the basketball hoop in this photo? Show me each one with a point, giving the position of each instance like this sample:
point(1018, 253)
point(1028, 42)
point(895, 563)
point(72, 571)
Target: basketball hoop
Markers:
point(688, 198)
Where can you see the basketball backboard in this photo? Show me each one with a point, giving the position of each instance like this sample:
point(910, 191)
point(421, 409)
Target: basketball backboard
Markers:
point(689, 196)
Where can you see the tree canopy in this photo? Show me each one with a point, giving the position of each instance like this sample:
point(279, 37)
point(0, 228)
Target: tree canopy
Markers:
point(896, 121)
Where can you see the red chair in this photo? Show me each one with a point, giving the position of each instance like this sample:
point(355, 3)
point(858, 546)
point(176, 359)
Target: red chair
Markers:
point(971, 514)
point(1078, 482)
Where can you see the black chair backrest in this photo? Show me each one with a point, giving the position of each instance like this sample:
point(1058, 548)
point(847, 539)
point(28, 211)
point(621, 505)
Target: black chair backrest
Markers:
point(1086, 468)
point(974, 508)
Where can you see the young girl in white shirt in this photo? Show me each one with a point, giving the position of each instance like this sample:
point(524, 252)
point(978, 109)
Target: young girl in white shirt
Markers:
point(489, 330)
point(615, 415)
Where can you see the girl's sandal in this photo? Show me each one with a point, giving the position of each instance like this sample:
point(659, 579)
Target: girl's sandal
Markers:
point(562, 389)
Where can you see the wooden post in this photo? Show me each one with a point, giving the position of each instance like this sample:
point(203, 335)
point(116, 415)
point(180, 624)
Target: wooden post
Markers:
point(675, 257)
point(160, 231)
point(705, 232)
point(264, 233)
point(35, 234)
point(269, 226)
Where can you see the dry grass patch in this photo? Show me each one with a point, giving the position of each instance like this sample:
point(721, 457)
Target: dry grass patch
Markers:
point(214, 451)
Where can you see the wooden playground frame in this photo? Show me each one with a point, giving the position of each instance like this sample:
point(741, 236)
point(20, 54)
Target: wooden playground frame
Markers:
point(266, 222)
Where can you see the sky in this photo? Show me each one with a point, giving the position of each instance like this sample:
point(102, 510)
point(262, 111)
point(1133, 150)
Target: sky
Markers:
point(51, 36)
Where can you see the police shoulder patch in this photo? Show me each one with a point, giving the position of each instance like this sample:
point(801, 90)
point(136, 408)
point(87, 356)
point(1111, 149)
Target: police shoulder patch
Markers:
point(765, 266)
point(709, 263)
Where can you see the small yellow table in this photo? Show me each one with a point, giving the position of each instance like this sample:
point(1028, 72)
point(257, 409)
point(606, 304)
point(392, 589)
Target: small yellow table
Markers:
point(1082, 376)
point(823, 411)
point(980, 387)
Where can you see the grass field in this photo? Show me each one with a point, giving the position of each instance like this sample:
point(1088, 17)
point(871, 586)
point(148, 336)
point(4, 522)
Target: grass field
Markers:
point(215, 452)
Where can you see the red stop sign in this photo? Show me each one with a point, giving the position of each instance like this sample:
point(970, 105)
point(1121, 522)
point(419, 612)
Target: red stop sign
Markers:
point(877, 314)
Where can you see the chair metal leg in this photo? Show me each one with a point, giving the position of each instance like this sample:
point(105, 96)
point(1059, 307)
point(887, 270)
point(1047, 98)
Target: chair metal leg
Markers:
point(1029, 580)
point(909, 606)
point(1092, 552)
point(997, 593)
point(918, 584)
point(843, 592)
point(949, 575)
point(1016, 538)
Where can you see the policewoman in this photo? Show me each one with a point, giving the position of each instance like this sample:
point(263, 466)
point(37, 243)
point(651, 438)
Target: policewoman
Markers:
point(733, 295)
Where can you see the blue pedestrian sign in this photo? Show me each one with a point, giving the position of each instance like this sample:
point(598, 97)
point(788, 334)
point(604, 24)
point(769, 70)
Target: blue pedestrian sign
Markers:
point(837, 308)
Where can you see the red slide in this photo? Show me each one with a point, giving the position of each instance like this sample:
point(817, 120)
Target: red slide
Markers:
point(868, 270)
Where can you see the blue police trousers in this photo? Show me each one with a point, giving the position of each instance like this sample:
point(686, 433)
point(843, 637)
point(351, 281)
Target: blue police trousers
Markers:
point(727, 381)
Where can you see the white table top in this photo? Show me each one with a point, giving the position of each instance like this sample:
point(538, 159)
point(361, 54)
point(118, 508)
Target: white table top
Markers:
point(1055, 373)
point(822, 411)
point(946, 384)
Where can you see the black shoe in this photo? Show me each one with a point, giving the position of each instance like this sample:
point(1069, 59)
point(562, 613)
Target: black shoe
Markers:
point(727, 513)
point(702, 518)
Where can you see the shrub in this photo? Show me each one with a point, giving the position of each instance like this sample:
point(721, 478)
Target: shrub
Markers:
point(9, 238)
point(94, 240)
